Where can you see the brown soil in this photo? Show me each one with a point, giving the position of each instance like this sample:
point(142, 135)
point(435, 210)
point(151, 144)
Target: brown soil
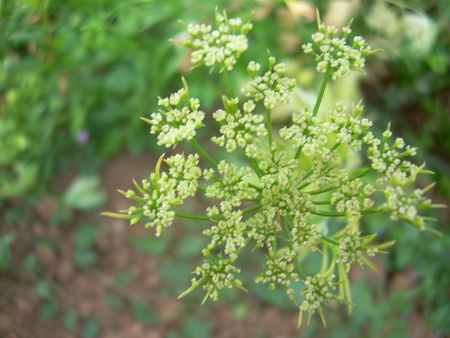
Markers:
point(84, 289)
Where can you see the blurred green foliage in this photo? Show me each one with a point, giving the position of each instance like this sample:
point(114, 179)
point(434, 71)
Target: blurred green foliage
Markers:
point(76, 76)
point(410, 86)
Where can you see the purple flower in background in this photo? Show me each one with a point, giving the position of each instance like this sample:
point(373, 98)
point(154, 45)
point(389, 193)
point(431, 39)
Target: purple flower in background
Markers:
point(82, 136)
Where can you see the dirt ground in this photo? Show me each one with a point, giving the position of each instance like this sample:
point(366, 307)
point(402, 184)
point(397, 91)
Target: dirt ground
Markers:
point(84, 289)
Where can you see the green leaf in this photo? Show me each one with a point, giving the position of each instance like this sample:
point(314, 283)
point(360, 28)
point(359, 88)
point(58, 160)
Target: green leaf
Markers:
point(49, 308)
point(5, 251)
point(70, 319)
point(84, 194)
point(85, 258)
point(113, 302)
point(85, 237)
point(42, 290)
point(143, 313)
point(123, 277)
point(91, 329)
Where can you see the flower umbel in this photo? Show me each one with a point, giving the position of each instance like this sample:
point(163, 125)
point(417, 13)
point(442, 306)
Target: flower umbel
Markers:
point(178, 120)
point(337, 54)
point(221, 46)
point(287, 192)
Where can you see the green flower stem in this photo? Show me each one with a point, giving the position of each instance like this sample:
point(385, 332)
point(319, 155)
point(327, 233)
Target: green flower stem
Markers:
point(329, 240)
point(328, 213)
point(203, 153)
point(255, 167)
point(289, 243)
point(252, 208)
point(320, 191)
point(228, 87)
point(318, 101)
point(299, 152)
point(269, 127)
point(343, 214)
point(239, 250)
point(368, 171)
point(316, 192)
point(194, 286)
point(207, 218)
point(322, 91)
point(321, 202)
point(192, 216)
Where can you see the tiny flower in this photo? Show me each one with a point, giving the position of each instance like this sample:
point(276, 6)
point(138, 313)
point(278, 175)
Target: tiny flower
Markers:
point(179, 119)
point(82, 136)
point(222, 46)
point(271, 88)
point(335, 53)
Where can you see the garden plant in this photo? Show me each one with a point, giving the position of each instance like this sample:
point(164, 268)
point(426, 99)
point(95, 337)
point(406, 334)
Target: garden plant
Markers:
point(291, 191)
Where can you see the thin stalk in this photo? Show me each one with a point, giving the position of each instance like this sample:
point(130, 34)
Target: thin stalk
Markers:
point(252, 208)
point(318, 102)
point(368, 171)
point(298, 153)
point(239, 250)
point(328, 213)
point(203, 153)
point(289, 243)
point(342, 214)
point(255, 167)
point(207, 218)
point(321, 92)
point(228, 88)
point(269, 127)
point(192, 216)
point(329, 240)
point(321, 202)
point(315, 192)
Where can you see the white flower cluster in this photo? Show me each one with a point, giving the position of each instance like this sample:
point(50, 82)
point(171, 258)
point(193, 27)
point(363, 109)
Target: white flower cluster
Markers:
point(271, 88)
point(284, 201)
point(221, 46)
point(186, 172)
point(280, 270)
point(352, 197)
point(164, 191)
point(291, 185)
point(349, 250)
point(264, 229)
point(385, 159)
point(240, 128)
point(314, 134)
point(233, 187)
point(401, 204)
point(216, 274)
point(317, 293)
point(156, 201)
point(230, 230)
point(349, 126)
point(179, 120)
point(281, 197)
point(335, 54)
point(304, 233)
